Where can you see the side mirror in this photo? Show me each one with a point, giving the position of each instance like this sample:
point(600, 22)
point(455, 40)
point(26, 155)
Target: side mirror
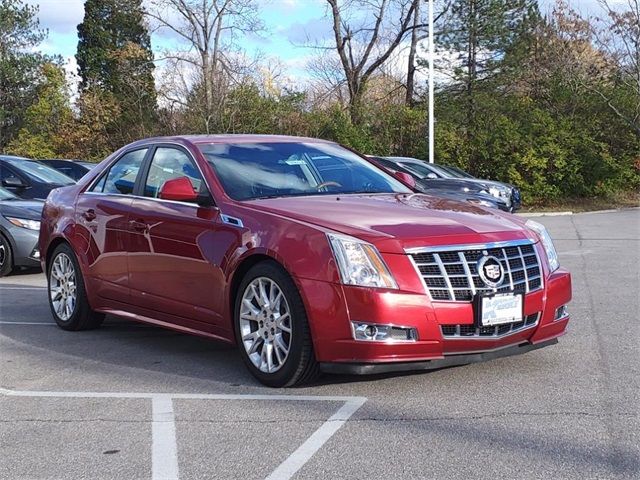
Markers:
point(179, 189)
point(13, 182)
point(405, 178)
point(432, 176)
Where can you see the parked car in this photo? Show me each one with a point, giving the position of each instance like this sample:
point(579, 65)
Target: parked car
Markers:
point(303, 253)
point(497, 189)
point(30, 179)
point(19, 230)
point(71, 168)
point(510, 194)
point(447, 189)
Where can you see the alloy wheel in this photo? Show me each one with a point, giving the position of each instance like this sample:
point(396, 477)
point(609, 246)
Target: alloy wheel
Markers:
point(265, 324)
point(62, 286)
point(3, 255)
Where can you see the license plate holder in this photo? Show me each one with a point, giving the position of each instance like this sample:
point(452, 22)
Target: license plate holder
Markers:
point(498, 309)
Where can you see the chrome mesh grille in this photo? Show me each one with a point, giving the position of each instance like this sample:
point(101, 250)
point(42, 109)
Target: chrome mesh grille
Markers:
point(453, 275)
point(472, 331)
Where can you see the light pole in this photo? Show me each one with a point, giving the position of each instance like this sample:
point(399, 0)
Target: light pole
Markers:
point(431, 56)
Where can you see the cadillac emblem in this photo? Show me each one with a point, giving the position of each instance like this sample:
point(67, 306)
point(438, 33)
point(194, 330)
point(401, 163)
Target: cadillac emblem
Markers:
point(490, 271)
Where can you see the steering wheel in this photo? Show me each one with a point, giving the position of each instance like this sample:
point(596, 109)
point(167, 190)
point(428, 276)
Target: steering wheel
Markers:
point(328, 184)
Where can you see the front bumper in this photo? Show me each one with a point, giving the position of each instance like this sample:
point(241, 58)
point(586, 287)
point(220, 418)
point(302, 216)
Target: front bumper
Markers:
point(331, 308)
point(447, 361)
point(24, 244)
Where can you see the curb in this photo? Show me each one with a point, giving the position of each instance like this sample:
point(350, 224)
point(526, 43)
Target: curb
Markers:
point(545, 214)
point(568, 212)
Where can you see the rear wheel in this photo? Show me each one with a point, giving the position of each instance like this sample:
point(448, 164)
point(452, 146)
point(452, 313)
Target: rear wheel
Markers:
point(272, 328)
point(67, 295)
point(6, 256)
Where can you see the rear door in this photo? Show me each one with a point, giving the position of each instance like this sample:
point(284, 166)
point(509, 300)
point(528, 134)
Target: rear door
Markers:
point(172, 264)
point(102, 220)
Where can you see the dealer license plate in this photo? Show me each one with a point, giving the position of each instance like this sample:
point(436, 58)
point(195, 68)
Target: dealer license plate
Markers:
point(500, 308)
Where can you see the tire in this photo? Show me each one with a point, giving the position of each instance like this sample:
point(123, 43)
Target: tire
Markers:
point(64, 282)
point(6, 256)
point(259, 325)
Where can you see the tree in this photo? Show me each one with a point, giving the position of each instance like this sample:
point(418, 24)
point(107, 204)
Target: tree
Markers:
point(204, 71)
point(365, 41)
point(40, 136)
point(478, 34)
point(114, 56)
point(20, 64)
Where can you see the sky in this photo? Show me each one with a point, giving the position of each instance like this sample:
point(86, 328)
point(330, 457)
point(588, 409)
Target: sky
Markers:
point(289, 25)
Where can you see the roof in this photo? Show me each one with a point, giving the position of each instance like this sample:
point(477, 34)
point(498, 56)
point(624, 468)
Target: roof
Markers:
point(237, 138)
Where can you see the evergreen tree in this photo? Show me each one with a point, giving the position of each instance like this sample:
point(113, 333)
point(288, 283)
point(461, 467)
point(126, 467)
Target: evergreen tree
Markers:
point(115, 60)
point(20, 66)
point(479, 33)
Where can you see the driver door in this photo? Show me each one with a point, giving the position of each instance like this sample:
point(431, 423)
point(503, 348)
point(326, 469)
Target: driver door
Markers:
point(171, 269)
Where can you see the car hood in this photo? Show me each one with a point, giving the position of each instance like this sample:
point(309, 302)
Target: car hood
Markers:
point(394, 222)
point(28, 209)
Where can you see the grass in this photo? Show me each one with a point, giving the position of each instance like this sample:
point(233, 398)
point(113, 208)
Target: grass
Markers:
point(620, 200)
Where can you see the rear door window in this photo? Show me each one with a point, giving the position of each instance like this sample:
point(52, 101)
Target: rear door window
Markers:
point(121, 177)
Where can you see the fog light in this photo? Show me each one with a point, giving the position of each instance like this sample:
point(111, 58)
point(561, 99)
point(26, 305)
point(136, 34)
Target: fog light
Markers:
point(383, 333)
point(35, 254)
point(561, 312)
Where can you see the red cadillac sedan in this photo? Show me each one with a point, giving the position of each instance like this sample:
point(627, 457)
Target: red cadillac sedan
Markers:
point(303, 253)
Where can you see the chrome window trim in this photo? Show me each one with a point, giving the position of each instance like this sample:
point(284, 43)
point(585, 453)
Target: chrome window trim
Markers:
point(140, 197)
point(470, 246)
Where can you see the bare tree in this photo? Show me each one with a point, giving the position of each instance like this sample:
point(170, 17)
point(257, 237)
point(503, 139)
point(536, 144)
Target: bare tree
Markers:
point(365, 37)
point(618, 35)
point(209, 30)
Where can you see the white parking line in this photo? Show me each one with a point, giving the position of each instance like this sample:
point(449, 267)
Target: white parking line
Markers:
point(297, 459)
point(23, 288)
point(164, 457)
point(164, 451)
point(48, 324)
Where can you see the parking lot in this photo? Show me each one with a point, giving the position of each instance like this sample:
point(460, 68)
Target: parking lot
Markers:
point(132, 401)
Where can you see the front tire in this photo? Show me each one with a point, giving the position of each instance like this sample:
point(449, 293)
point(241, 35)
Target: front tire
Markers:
point(67, 294)
point(6, 256)
point(272, 330)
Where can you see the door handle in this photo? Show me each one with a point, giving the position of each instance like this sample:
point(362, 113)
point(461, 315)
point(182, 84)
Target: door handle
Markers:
point(89, 215)
point(138, 225)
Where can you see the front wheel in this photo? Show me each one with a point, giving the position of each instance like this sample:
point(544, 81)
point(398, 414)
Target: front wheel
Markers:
point(67, 295)
point(272, 328)
point(6, 257)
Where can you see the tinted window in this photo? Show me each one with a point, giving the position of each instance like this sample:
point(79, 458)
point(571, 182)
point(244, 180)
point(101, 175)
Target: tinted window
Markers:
point(423, 170)
point(254, 170)
point(167, 164)
point(121, 177)
point(41, 172)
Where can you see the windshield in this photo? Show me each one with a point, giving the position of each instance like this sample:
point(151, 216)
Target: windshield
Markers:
point(262, 170)
point(6, 194)
point(456, 172)
point(41, 172)
point(424, 170)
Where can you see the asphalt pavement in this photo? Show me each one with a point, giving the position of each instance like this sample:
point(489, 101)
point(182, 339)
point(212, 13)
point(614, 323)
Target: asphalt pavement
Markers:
point(130, 401)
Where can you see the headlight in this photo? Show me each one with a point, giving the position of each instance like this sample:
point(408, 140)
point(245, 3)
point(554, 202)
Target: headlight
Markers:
point(552, 255)
point(25, 223)
point(360, 263)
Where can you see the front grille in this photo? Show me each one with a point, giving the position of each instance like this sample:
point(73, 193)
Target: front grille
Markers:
point(472, 331)
point(453, 275)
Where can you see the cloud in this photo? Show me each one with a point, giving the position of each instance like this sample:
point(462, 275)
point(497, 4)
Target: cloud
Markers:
point(310, 31)
point(59, 16)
